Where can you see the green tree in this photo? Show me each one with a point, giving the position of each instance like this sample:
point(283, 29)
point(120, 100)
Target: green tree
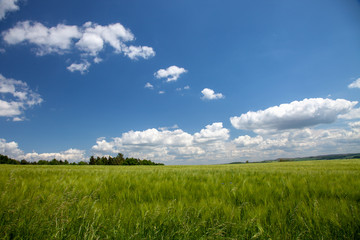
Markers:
point(92, 160)
point(24, 162)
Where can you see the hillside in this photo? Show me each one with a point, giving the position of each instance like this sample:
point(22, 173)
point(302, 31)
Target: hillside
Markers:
point(319, 157)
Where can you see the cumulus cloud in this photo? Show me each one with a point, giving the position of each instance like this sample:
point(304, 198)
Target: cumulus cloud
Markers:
point(354, 125)
point(294, 115)
point(81, 67)
point(246, 140)
point(12, 150)
point(298, 142)
point(209, 94)
point(168, 145)
point(48, 40)
point(355, 84)
point(213, 132)
point(352, 114)
point(16, 97)
point(89, 39)
point(171, 74)
point(153, 137)
point(136, 52)
point(7, 6)
point(72, 155)
point(161, 92)
point(212, 144)
point(91, 43)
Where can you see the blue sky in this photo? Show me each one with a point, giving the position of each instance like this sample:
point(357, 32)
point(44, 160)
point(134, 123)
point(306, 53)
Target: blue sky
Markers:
point(179, 82)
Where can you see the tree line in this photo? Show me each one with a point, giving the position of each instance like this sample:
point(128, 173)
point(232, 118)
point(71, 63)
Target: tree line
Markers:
point(118, 160)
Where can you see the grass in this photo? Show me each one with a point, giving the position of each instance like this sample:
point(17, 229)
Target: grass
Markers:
point(290, 200)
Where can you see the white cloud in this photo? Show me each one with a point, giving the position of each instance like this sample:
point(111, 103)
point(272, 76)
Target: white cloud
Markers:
point(352, 114)
point(297, 114)
point(16, 97)
point(209, 94)
point(113, 34)
point(245, 141)
point(153, 137)
point(72, 155)
point(161, 92)
point(12, 150)
point(171, 74)
point(354, 125)
point(169, 145)
point(9, 109)
point(103, 146)
point(97, 60)
point(149, 85)
point(175, 126)
point(90, 39)
point(48, 40)
point(298, 142)
point(136, 52)
point(90, 43)
point(355, 84)
point(18, 119)
point(213, 132)
point(187, 87)
point(210, 145)
point(81, 67)
point(7, 6)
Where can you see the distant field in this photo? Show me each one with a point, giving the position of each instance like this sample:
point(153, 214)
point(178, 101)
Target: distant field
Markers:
point(289, 200)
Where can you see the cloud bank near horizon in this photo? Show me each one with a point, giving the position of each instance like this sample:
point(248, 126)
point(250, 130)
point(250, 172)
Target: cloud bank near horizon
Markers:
point(210, 145)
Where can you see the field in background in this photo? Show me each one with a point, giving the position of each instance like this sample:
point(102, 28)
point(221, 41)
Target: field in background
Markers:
point(289, 200)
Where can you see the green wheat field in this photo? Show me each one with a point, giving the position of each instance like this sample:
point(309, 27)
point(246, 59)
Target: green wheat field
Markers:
point(288, 200)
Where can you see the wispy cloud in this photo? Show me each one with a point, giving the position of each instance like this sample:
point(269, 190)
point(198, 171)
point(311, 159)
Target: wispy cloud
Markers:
point(355, 84)
point(149, 85)
point(80, 67)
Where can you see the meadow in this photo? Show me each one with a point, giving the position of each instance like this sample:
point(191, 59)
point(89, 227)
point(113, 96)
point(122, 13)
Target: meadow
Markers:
point(287, 200)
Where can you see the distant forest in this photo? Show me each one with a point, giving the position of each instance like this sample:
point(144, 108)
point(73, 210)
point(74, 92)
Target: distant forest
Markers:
point(118, 160)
